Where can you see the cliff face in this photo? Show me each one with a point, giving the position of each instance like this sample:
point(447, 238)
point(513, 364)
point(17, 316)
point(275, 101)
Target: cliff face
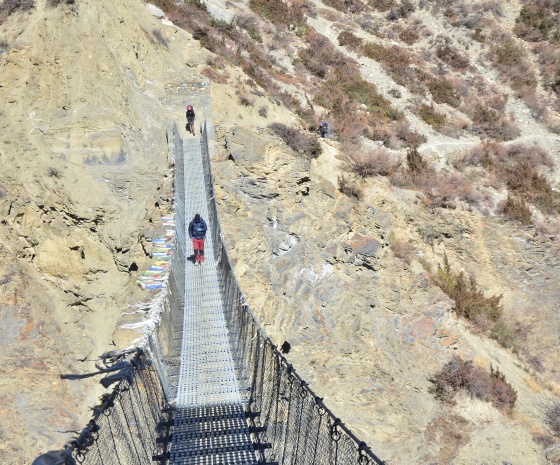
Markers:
point(85, 179)
point(83, 184)
point(366, 329)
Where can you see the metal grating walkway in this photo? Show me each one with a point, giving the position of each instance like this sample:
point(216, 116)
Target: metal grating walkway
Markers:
point(209, 422)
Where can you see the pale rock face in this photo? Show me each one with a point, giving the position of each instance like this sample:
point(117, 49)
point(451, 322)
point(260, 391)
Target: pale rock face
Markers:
point(155, 11)
point(366, 330)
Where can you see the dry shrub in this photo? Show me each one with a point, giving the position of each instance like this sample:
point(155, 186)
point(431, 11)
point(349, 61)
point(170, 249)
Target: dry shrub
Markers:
point(367, 163)
point(522, 179)
point(549, 65)
point(443, 91)
point(214, 75)
point(346, 6)
point(414, 161)
point(462, 375)
point(245, 100)
point(250, 24)
point(431, 116)
point(401, 10)
point(490, 122)
point(303, 143)
point(539, 20)
point(347, 39)
point(348, 126)
point(11, 6)
point(511, 336)
point(349, 188)
point(410, 137)
point(320, 56)
point(384, 133)
point(55, 3)
point(408, 34)
point(381, 5)
point(290, 14)
point(441, 189)
point(532, 154)
point(513, 63)
point(516, 209)
point(392, 58)
point(550, 412)
point(350, 100)
point(452, 57)
point(517, 167)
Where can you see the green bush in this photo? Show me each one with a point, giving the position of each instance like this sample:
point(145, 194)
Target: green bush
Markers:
point(431, 116)
point(470, 301)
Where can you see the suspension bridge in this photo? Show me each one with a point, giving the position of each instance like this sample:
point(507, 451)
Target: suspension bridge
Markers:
point(209, 387)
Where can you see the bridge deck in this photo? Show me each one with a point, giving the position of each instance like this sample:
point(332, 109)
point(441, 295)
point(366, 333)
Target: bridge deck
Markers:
point(209, 422)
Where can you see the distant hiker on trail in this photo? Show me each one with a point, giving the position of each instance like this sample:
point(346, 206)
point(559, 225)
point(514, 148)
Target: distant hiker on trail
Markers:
point(324, 129)
point(197, 232)
point(190, 119)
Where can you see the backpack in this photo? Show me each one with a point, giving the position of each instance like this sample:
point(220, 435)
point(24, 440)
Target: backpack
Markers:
point(325, 127)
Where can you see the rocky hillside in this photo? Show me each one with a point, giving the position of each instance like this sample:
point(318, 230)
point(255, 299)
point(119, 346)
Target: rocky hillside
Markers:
point(442, 159)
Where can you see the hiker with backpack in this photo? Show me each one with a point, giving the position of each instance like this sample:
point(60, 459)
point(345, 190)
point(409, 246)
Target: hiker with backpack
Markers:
point(190, 119)
point(324, 129)
point(197, 233)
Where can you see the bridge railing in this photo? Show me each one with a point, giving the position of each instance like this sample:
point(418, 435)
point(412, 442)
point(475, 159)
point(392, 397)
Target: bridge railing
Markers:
point(288, 414)
point(124, 427)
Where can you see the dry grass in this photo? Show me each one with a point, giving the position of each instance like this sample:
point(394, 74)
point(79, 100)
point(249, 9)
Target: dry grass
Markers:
point(450, 432)
point(349, 188)
point(402, 248)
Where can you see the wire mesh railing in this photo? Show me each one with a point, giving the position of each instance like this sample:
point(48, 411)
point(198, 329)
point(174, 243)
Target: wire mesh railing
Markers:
point(124, 427)
point(282, 410)
point(285, 412)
